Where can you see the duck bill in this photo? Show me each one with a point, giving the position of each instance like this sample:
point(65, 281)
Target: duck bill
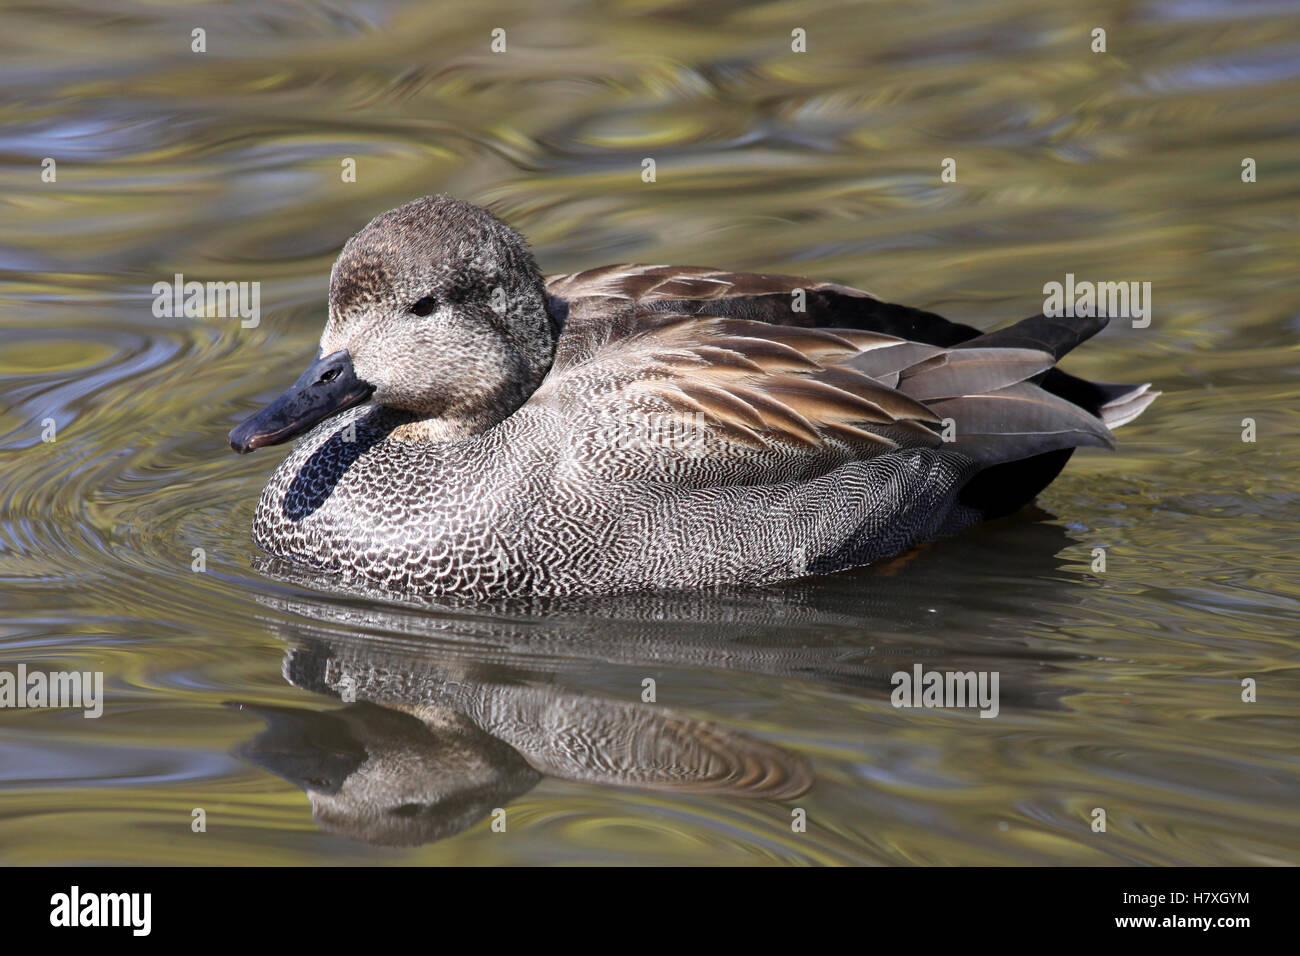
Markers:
point(327, 387)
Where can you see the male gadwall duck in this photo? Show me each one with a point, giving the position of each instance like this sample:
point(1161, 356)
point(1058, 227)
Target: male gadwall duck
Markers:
point(644, 426)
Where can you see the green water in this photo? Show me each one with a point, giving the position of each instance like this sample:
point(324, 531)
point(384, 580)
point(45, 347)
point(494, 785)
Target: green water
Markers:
point(1120, 689)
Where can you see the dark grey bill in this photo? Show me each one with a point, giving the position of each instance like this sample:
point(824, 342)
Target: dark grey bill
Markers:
point(328, 386)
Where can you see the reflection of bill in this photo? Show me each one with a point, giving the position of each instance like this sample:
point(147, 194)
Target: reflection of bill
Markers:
point(426, 753)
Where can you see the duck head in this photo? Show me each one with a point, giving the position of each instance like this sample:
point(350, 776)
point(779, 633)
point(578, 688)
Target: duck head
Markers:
point(436, 308)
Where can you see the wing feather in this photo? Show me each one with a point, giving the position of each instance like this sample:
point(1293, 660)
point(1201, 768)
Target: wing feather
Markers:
point(692, 344)
point(972, 372)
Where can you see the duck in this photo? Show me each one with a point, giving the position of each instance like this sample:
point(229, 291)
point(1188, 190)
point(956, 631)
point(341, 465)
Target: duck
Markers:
point(471, 427)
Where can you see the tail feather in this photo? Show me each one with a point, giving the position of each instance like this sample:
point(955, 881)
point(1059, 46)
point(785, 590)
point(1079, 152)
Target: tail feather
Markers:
point(1020, 421)
point(1005, 397)
point(1055, 335)
point(1025, 433)
point(1129, 402)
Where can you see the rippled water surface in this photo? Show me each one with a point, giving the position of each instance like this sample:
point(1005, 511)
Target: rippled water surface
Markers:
point(227, 689)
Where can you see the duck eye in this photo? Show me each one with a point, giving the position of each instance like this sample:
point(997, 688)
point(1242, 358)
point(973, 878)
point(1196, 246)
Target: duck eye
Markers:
point(425, 305)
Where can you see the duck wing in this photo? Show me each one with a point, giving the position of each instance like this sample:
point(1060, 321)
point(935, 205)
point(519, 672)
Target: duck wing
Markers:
point(739, 364)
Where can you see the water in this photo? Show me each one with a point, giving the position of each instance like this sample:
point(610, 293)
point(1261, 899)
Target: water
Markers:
point(1119, 689)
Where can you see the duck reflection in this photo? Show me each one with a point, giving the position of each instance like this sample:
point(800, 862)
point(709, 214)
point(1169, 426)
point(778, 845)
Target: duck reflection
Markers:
point(451, 711)
point(425, 752)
